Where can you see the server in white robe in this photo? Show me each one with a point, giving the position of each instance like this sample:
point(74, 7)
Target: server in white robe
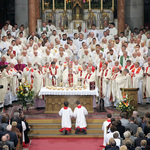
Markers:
point(104, 127)
point(66, 114)
point(79, 113)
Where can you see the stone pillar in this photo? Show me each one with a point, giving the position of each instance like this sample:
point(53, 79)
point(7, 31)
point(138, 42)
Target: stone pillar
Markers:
point(134, 13)
point(121, 15)
point(32, 16)
point(38, 11)
point(21, 12)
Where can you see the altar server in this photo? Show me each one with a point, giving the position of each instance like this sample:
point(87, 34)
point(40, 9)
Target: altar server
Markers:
point(66, 114)
point(104, 127)
point(79, 113)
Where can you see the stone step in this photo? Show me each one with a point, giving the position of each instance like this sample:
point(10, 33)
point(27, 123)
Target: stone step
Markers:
point(31, 121)
point(58, 126)
point(56, 131)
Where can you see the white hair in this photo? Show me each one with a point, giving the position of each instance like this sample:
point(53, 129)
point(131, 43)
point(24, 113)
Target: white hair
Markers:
point(9, 128)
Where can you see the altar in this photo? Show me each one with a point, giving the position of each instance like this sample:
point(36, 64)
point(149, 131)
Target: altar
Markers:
point(55, 98)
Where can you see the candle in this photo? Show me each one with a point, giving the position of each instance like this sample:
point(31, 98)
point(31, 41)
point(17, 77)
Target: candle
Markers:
point(101, 5)
point(112, 5)
point(65, 5)
point(53, 4)
point(89, 4)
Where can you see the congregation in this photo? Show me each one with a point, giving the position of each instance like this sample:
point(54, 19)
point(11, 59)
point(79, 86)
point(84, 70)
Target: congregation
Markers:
point(127, 134)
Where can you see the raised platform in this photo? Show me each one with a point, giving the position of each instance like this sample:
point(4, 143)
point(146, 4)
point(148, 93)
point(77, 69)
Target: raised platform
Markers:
point(43, 128)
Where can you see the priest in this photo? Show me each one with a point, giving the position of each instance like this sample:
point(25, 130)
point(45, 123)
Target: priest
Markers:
point(147, 76)
point(137, 77)
point(37, 85)
point(27, 75)
point(54, 74)
point(104, 87)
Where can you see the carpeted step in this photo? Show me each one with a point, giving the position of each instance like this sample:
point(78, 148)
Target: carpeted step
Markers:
point(56, 131)
point(66, 136)
point(59, 120)
point(58, 125)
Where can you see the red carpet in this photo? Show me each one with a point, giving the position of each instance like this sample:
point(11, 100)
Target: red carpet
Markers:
point(66, 144)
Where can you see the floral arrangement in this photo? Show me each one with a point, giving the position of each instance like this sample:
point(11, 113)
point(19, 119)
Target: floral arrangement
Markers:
point(125, 105)
point(25, 94)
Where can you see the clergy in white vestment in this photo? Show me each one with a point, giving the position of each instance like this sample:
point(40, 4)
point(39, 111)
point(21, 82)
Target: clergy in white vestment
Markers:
point(38, 80)
point(114, 89)
point(72, 78)
point(105, 88)
point(104, 127)
point(3, 91)
point(46, 73)
point(12, 59)
point(113, 29)
point(14, 84)
point(38, 83)
point(24, 57)
point(137, 77)
point(89, 77)
point(27, 75)
point(111, 58)
point(36, 60)
point(129, 66)
point(147, 76)
point(82, 73)
point(122, 81)
point(66, 114)
point(79, 113)
point(8, 97)
point(54, 74)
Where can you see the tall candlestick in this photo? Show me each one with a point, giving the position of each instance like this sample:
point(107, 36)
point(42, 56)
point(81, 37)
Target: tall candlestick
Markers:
point(112, 5)
point(53, 4)
point(65, 5)
point(101, 5)
point(89, 4)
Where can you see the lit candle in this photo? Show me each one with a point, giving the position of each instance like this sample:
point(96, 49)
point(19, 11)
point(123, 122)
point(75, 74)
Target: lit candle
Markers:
point(112, 5)
point(65, 5)
point(89, 4)
point(101, 5)
point(53, 4)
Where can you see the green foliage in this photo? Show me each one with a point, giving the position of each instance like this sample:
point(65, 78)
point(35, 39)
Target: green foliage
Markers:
point(25, 94)
point(125, 105)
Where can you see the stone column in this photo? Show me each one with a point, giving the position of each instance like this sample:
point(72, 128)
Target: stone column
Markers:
point(121, 15)
point(32, 16)
point(38, 11)
point(134, 13)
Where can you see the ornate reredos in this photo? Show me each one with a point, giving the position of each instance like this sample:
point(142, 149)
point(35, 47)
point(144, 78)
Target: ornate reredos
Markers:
point(79, 2)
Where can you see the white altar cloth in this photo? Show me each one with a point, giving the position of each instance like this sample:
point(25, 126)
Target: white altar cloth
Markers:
point(46, 91)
